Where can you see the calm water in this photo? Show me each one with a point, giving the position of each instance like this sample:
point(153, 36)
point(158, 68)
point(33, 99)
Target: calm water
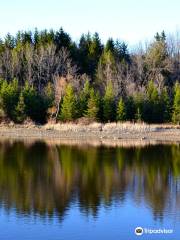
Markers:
point(84, 192)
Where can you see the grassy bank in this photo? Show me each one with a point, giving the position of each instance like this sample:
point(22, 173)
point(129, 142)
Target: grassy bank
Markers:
point(94, 131)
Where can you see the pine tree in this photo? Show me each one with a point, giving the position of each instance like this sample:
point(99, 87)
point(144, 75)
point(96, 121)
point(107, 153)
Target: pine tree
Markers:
point(138, 102)
point(152, 105)
point(94, 53)
point(36, 104)
point(108, 103)
point(176, 104)
point(93, 105)
point(9, 96)
point(110, 45)
point(20, 110)
point(130, 108)
point(68, 109)
point(165, 108)
point(83, 99)
point(121, 111)
point(138, 115)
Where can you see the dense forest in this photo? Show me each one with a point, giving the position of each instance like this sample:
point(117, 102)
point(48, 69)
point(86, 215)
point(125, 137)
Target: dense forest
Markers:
point(45, 75)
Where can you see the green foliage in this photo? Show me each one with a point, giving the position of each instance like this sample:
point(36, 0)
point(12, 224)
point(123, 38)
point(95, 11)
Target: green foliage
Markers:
point(130, 108)
point(176, 104)
point(68, 109)
point(138, 115)
point(121, 52)
point(20, 115)
point(49, 94)
point(165, 106)
point(93, 105)
point(110, 45)
point(9, 95)
point(152, 108)
point(160, 37)
point(108, 103)
point(61, 39)
point(139, 102)
point(121, 111)
point(35, 104)
point(90, 50)
point(83, 99)
point(157, 108)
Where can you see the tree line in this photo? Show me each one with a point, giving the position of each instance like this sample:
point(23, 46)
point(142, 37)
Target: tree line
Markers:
point(45, 75)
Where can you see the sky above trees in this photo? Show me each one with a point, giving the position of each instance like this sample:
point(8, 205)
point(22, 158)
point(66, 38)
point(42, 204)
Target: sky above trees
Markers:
point(130, 20)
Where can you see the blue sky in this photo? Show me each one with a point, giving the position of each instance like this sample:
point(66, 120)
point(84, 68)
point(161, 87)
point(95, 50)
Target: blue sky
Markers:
point(129, 20)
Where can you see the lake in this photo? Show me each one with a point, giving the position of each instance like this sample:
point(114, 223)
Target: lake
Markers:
point(82, 192)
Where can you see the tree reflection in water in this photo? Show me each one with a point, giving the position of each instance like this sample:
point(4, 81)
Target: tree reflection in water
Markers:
point(44, 179)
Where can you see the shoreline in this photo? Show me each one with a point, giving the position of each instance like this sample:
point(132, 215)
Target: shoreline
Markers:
point(95, 133)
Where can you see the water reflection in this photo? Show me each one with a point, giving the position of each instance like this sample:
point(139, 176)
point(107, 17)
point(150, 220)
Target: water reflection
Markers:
point(43, 179)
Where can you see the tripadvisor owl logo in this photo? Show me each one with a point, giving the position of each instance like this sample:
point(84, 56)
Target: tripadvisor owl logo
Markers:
point(139, 231)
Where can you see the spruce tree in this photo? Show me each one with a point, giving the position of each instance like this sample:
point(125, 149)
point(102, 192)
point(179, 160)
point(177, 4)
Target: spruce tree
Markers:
point(68, 109)
point(20, 110)
point(121, 111)
point(83, 99)
point(35, 104)
point(176, 104)
point(130, 108)
point(93, 107)
point(165, 108)
point(139, 102)
point(108, 103)
point(138, 115)
point(9, 96)
point(152, 105)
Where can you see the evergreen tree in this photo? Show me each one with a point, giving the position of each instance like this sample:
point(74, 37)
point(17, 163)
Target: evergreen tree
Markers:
point(9, 96)
point(9, 41)
point(130, 108)
point(94, 53)
point(68, 109)
point(20, 110)
point(121, 52)
point(108, 103)
point(152, 105)
point(138, 115)
point(83, 58)
point(35, 104)
point(165, 108)
point(176, 104)
point(90, 50)
point(121, 111)
point(110, 45)
point(62, 39)
point(93, 105)
point(138, 102)
point(36, 37)
point(83, 99)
